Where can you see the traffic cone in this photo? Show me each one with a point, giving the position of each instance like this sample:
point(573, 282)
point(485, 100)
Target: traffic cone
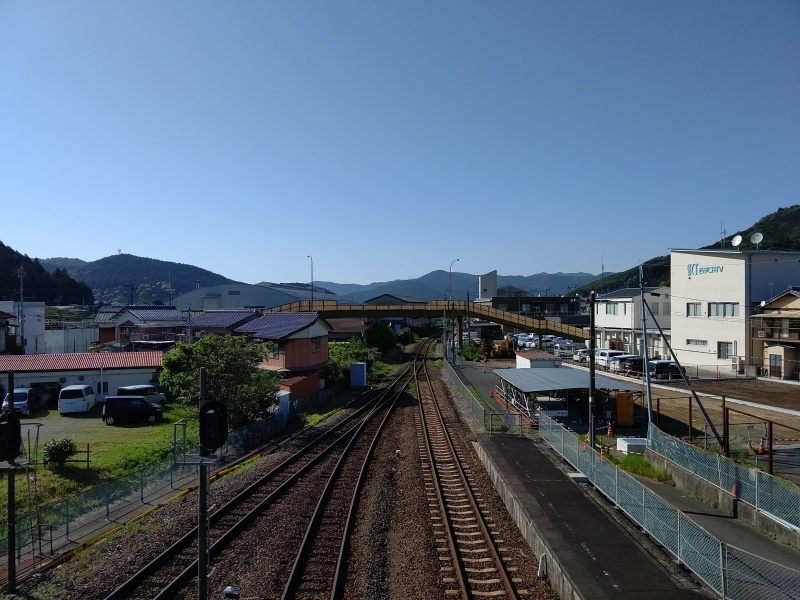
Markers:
point(761, 449)
point(602, 452)
point(608, 431)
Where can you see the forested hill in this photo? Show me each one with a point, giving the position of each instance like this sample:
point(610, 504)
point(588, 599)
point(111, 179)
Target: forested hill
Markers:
point(38, 284)
point(780, 231)
point(124, 277)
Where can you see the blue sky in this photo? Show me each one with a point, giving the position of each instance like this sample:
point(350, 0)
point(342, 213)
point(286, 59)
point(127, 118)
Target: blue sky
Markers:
point(386, 139)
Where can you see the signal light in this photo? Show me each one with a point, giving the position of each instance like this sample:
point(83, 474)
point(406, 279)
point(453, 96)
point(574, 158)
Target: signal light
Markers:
point(10, 436)
point(213, 427)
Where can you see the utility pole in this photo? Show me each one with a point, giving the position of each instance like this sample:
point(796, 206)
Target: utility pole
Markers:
point(21, 320)
point(592, 303)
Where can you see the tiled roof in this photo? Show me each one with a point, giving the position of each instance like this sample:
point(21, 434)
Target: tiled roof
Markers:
point(222, 318)
point(79, 362)
point(106, 316)
point(156, 313)
point(276, 326)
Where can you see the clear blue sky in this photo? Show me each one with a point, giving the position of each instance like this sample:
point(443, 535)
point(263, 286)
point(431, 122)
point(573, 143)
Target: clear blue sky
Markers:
point(386, 139)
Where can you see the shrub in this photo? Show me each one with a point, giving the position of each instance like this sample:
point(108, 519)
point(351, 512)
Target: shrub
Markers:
point(57, 452)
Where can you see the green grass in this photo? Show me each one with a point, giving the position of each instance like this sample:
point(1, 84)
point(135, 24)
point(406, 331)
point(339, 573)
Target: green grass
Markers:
point(115, 451)
point(638, 464)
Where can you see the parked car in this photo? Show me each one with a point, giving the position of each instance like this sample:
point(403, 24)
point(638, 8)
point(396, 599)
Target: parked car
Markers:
point(665, 369)
point(633, 366)
point(131, 409)
point(76, 398)
point(615, 364)
point(603, 356)
point(149, 392)
point(25, 401)
point(564, 348)
point(581, 355)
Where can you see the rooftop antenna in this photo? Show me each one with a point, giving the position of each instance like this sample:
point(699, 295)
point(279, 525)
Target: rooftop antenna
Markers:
point(722, 233)
point(756, 239)
point(737, 239)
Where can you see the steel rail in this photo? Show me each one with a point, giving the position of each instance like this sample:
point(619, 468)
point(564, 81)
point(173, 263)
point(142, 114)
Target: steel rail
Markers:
point(466, 584)
point(126, 588)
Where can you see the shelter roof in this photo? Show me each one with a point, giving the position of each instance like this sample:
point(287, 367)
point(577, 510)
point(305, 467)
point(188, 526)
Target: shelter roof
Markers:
point(542, 379)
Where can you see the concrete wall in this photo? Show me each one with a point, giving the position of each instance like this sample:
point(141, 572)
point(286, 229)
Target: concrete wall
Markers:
point(697, 487)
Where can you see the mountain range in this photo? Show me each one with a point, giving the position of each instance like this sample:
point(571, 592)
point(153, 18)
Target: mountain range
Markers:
point(124, 278)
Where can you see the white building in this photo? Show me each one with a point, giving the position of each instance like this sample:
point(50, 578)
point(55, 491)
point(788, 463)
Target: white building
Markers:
point(713, 296)
point(28, 324)
point(619, 325)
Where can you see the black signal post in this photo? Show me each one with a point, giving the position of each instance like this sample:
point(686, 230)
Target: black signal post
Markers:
point(10, 442)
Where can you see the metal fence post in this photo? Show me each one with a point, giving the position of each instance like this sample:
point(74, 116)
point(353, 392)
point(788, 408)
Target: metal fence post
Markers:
point(141, 485)
point(723, 571)
point(680, 545)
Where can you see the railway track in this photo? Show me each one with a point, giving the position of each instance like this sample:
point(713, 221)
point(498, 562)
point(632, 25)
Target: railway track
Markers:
point(470, 557)
point(287, 494)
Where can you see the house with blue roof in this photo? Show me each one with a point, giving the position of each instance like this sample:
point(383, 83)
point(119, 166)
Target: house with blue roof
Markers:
point(297, 348)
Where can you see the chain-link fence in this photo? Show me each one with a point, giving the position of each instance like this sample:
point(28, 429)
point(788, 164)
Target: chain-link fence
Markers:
point(90, 512)
point(492, 421)
point(729, 571)
point(772, 495)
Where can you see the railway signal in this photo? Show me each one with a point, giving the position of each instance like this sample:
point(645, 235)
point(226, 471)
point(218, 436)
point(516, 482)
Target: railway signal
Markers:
point(10, 436)
point(213, 427)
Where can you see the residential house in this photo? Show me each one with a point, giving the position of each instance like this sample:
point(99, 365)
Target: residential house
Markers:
point(396, 323)
point(135, 324)
point(619, 325)
point(26, 327)
point(297, 348)
point(775, 331)
point(218, 322)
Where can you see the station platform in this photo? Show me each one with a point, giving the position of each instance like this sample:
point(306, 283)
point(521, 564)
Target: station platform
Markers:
point(597, 551)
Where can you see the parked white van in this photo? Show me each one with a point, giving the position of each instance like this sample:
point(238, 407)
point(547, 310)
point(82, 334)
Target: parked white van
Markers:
point(76, 399)
point(603, 356)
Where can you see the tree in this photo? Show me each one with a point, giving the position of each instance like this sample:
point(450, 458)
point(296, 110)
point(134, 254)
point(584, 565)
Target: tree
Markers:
point(343, 354)
point(233, 376)
point(381, 336)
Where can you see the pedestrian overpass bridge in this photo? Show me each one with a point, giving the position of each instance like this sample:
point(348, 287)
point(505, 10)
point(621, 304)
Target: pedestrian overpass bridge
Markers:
point(454, 309)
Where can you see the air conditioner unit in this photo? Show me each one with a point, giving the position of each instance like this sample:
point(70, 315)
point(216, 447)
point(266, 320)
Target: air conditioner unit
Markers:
point(762, 333)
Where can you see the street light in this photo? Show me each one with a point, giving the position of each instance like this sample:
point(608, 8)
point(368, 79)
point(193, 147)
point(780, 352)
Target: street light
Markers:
point(312, 280)
point(450, 286)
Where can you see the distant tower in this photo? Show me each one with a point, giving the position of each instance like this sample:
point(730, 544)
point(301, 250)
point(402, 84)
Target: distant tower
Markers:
point(487, 285)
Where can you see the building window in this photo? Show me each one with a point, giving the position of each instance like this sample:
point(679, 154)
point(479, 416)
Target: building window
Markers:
point(502, 307)
point(612, 308)
point(724, 349)
point(234, 293)
point(653, 308)
point(274, 350)
point(723, 309)
point(697, 342)
point(693, 309)
point(315, 345)
point(564, 309)
point(667, 308)
point(526, 308)
point(550, 309)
